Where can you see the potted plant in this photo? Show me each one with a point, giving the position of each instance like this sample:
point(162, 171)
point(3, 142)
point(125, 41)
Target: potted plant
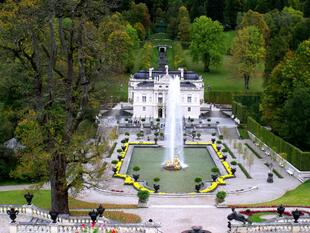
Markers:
point(198, 185)
point(208, 119)
point(138, 135)
point(162, 135)
point(199, 135)
point(119, 157)
point(280, 210)
point(220, 197)
point(155, 140)
point(221, 137)
point(123, 148)
point(234, 167)
point(123, 141)
point(136, 175)
point(296, 214)
point(156, 186)
point(193, 135)
point(143, 198)
point(214, 173)
point(218, 146)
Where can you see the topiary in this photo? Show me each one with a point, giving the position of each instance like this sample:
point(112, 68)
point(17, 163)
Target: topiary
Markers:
point(156, 179)
point(119, 150)
point(143, 195)
point(220, 196)
point(136, 168)
point(215, 170)
point(234, 162)
point(198, 179)
point(114, 162)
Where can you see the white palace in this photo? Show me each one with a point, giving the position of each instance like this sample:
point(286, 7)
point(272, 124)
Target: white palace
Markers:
point(148, 90)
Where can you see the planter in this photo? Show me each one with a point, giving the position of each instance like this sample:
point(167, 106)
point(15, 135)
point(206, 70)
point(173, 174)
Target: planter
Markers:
point(280, 210)
point(197, 187)
point(114, 169)
point(224, 157)
point(296, 214)
point(233, 170)
point(214, 177)
point(218, 148)
point(213, 140)
point(142, 204)
point(270, 178)
point(120, 157)
point(156, 187)
point(135, 177)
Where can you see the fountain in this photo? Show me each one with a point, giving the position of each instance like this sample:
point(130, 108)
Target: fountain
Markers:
point(174, 159)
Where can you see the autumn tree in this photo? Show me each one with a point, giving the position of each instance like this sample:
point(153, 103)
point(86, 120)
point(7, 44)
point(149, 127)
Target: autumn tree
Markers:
point(248, 51)
point(207, 41)
point(147, 55)
point(138, 13)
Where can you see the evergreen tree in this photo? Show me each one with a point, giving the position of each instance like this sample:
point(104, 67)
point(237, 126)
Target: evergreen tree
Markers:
point(215, 10)
point(232, 7)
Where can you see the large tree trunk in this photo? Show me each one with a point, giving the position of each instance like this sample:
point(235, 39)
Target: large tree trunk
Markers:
point(59, 187)
point(206, 60)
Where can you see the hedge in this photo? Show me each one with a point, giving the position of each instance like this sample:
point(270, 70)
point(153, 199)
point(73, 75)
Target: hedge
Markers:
point(226, 97)
point(240, 111)
point(294, 155)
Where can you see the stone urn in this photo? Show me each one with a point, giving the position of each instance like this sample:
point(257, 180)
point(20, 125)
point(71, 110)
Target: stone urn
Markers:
point(156, 187)
point(233, 170)
point(135, 177)
point(214, 177)
point(197, 187)
point(270, 178)
point(296, 214)
point(280, 210)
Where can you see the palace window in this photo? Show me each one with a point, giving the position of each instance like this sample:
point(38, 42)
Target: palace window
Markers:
point(144, 99)
point(189, 99)
point(144, 109)
point(189, 109)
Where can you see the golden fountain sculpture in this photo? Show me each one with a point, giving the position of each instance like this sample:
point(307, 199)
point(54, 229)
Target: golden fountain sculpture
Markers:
point(173, 165)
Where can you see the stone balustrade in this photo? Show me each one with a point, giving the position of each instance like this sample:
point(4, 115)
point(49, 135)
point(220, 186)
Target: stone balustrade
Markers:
point(77, 228)
point(68, 224)
point(283, 227)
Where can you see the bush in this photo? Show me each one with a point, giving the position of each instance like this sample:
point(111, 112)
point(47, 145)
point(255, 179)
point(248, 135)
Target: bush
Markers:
point(136, 168)
point(124, 141)
point(224, 150)
point(221, 137)
point(234, 162)
point(119, 150)
point(114, 162)
point(198, 180)
point(220, 196)
point(215, 170)
point(143, 196)
point(8, 162)
point(127, 134)
point(219, 142)
point(156, 179)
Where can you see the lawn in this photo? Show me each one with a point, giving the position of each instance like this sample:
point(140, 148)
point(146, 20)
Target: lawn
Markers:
point(297, 197)
point(42, 199)
point(259, 217)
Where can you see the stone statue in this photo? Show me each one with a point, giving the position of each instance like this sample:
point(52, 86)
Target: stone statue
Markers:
point(166, 67)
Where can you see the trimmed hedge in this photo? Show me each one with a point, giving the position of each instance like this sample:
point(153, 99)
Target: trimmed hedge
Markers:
point(226, 97)
point(245, 172)
point(294, 155)
point(253, 151)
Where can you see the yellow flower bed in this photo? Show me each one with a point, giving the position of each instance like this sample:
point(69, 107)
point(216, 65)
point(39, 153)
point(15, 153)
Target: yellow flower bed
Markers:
point(128, 179)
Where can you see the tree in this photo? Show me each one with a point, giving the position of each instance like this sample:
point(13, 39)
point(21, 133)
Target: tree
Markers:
point(184, 26)
point(56, 48)
point(248, 51)
point(289, 75)
point(232, 7)
point(138, 13)
point(297, 118)
point(140, 30)
point(197, 8)
point(215, 10)
point(147, 55)
point(252, 18)
point(207, 41)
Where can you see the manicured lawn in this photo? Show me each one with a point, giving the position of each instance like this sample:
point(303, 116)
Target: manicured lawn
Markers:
point(42, 199)
point(297, 197)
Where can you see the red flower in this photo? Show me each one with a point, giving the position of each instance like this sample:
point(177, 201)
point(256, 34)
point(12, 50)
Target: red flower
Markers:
point(83, 225)
point(93, 224)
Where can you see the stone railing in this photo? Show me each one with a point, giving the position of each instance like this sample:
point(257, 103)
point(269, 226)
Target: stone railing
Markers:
point(78, 228)
point(285, 227)
point(68, 224)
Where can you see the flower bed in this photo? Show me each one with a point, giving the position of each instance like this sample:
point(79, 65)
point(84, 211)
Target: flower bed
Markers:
point(130, 181)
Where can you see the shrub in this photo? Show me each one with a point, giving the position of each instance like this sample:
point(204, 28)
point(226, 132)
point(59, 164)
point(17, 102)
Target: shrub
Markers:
point(219, 142)
point(220, 196)
point(127, 133)
point(156, 179)
point(221, 137)
point(114, 162)
point(143, 196)
point(198, 180)
point(119, 150)
point(123, 141)
point(136, 168)
point(224, 150)
point(234, 162)
point(215, 170)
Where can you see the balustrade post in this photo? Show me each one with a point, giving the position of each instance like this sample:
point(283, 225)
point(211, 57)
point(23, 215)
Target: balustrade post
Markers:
point(13, 228)
point(29, 210)
point(296, 228)
point(53, 228)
